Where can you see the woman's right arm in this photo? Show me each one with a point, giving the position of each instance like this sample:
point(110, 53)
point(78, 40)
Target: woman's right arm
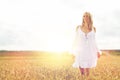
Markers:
point(74, 43)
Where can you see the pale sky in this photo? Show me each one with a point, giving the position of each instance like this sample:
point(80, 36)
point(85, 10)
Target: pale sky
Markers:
point(50, 24)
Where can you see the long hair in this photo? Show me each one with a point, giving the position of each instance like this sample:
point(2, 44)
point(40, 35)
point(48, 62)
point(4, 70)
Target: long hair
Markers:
point(90, 23)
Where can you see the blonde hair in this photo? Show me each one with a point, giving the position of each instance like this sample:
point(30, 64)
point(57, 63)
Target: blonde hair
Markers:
point(90, 23)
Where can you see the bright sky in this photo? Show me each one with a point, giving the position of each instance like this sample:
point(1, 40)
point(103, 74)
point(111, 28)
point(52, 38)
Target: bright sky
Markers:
point(50, 24)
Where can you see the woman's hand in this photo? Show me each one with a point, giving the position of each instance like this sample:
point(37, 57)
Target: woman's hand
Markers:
point(98, 55)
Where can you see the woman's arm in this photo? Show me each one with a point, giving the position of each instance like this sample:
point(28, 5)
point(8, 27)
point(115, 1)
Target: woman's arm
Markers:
point(74, 43)
point(98, 51)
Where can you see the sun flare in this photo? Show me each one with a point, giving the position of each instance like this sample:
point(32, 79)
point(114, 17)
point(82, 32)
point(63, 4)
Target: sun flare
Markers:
point(57, 45)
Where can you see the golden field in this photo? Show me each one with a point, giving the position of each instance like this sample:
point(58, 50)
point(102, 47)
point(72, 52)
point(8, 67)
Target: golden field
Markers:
point(55, 67)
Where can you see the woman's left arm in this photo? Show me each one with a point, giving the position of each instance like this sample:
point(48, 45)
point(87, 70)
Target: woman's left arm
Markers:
point(98, 50)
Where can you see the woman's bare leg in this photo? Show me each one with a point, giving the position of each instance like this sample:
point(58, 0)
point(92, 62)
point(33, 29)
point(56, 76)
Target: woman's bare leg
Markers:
point(87, 71)
point(82, 71)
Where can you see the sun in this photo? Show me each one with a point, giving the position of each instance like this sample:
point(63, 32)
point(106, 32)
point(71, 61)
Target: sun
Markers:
point(58, 44)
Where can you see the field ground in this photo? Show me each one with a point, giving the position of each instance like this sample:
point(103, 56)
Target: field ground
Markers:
point(56, 67)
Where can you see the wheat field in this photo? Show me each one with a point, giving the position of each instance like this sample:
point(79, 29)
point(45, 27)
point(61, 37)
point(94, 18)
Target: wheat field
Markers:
point(56, 67)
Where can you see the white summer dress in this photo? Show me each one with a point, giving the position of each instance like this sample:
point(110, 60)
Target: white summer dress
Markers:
point(85, 49)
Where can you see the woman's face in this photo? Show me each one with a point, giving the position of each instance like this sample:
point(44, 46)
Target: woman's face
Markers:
point(86, 18)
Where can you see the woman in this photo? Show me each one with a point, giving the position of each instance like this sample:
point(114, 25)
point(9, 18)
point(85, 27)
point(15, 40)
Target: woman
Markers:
point(85, 47)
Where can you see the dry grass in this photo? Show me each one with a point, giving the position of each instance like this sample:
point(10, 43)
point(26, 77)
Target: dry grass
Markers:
point(56, 67)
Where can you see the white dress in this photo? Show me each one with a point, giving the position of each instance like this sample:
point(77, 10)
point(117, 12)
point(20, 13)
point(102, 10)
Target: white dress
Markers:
point(85, 49)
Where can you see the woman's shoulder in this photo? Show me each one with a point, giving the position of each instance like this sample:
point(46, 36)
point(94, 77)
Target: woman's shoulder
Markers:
point(78, 26)
point(94, 29)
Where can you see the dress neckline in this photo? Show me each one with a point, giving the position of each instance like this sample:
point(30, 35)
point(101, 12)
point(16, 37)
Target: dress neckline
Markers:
point(84, 32)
